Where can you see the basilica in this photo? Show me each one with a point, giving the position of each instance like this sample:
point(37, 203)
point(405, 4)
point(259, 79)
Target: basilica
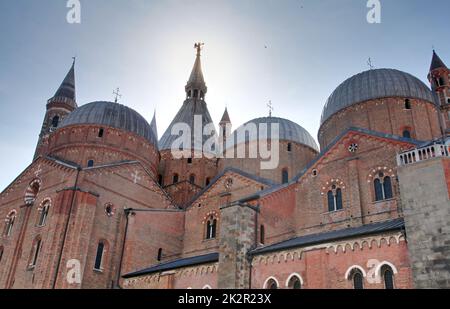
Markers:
point(105, 204)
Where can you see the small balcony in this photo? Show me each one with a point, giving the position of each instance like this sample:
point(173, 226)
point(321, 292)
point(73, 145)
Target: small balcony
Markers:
point(422, 154)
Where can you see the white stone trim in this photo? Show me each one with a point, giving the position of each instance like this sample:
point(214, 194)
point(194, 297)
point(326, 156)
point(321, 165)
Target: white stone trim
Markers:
point(207, 287)
point(294, 275)
point(271, 278)
point(378, 269)
point(351, 268)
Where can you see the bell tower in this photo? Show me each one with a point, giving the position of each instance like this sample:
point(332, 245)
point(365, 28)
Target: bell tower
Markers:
point(58, 107)
point(439, 78)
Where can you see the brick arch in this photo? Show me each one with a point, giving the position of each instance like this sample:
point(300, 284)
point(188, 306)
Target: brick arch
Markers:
point(32, 191)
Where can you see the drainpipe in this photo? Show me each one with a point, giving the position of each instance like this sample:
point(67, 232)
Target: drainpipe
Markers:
point(122, 253)
point(66, 228)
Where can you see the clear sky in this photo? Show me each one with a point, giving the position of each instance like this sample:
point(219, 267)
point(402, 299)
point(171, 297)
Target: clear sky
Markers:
point(292, 52)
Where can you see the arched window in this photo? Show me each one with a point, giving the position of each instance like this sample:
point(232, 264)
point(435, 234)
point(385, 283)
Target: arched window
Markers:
point(160, 251)
point(175, 178)
point(43, 213)
point(407, 104)
point(32, 192)
point(90, 163)
point(211, 227)
point(334, 198)
point(192, 179)
point(271, 284)
point(262, 234)
point(160, 180)
point(207, 181)
point(441, 81)
point(99, 256)
point(189, 94)
point(55, 121)
point(285, 176)
point(195, 93)
point(1, 254)
point(357, 278)
point(9, 224)
point(189, 160)
point(37, 245)
point(101, 132)
point(383, 187)
point(289, 147)
point(388, 277)
point(406, 133)
point(295, 283)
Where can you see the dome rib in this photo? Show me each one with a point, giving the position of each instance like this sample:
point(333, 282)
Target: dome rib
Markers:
point(375, 84)
point(113, 115)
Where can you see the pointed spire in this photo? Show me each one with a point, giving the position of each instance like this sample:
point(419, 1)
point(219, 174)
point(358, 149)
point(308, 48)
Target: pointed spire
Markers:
point(196, 86)
point(436, 62)
point(67, 88)
point(154, 126)
point(225, 117)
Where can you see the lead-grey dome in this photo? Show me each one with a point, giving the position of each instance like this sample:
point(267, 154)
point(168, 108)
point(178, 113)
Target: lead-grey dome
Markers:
point(375, 84)
point(288, 130)
point(113, 115)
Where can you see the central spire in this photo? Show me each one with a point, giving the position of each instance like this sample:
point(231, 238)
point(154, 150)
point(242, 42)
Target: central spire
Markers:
point(196, 87)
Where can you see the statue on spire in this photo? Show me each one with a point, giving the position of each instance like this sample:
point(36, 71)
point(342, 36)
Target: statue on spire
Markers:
point(198, 46)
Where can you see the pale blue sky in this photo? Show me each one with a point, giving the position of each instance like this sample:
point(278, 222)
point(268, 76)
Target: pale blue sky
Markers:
point(146, 48)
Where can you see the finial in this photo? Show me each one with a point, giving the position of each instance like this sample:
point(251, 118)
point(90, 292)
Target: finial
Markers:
point(117, 94)
point(199, 47)
point(270, 106)
point(74, 58)
point(370, 64)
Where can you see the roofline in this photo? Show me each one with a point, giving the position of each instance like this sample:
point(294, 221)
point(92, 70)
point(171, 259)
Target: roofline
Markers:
point(270, 248)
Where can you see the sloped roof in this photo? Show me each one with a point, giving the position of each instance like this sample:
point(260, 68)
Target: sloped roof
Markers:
point(436, 62)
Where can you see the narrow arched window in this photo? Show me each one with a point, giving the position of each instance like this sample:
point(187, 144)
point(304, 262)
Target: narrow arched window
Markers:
point(331, 201)
point(407, 104)
point(387, 188)
point(285, 176)
point(90, 163)
point(1, 254)
point(272, 285)
point(175, 178)
point(195, 93)
point(9, 224)
point(378, 190)
point(339, 199)
point(160, 251)
point(35, 252)
point(262, 234)
point(43, 214)
point(99, 256)
point(55, 121)
point(295, 283)
point(160, 180)
point(192, 179)
point(357, 278)
point(289, 147)
point(388, 277)
point(441, 81)
point(211, 228)
point(407, 134)
point(101, 132)
point(207, 181)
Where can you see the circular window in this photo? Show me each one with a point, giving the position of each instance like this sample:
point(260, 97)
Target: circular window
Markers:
point(353, 148)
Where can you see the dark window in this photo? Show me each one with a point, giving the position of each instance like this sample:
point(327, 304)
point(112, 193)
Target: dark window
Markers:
point(99, 256)
point(189, 160)
point(285, 176)
point(1, 253)
point(339, 199)
point(358, 280)
point(330, 201)
point(387, 187)
point(407, 104)
point(441, 81)
point(272, 285)
point(388, 277)
point(208, 181)
point(175, 178)
point(55, 121)
point(90, 163)
point(211, 227)
point(202, 95)
point(109, 209)
point(36, 249)
point(192, 179)
point(101, 132)
point(159, 254)
point(44, 214)
point(289, 147)
point(262, 235)
point(9, 225)
point(196, 93)
point(448, 101)
point(378, 190)
point(406, 134)
point(160, 180)
point(189, 94)
point(295, 283)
